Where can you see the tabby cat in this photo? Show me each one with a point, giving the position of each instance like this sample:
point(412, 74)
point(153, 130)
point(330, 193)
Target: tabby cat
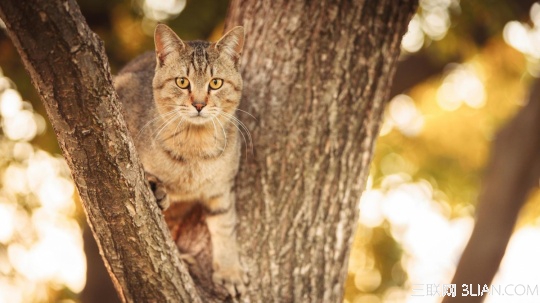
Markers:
point(179, 104)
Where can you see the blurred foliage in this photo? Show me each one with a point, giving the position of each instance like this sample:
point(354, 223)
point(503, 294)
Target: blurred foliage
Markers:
point(450, 151)
point(41, 256)
point(434, 142)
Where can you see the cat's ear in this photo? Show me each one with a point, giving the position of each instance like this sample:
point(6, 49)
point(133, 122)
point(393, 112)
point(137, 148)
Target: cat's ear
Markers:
point(166, 42)
point(232, 42)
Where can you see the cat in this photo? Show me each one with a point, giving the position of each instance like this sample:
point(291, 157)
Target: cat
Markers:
point(179, 104)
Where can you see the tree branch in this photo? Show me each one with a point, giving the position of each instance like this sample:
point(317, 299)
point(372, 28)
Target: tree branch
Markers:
point(513, 171)
point(68, 66)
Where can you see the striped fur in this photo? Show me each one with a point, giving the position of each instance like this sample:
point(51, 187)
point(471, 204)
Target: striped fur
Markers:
point(187, 138)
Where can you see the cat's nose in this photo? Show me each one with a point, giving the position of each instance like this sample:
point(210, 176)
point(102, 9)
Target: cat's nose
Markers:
point(199, 106)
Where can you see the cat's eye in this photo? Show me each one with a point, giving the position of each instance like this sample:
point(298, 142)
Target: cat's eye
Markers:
point(182, 82)
point(216, 83)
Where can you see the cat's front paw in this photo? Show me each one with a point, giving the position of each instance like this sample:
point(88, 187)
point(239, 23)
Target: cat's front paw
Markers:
point(234, 278)
point(159, 191)
point(162, 199)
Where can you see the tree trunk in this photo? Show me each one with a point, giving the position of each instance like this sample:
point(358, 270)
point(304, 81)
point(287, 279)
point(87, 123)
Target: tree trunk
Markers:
point(317, 75)
point(68, 66)
point(316, 78)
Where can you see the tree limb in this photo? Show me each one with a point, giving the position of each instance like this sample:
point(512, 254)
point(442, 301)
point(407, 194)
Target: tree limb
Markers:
point(513, 171)
point(68, 66)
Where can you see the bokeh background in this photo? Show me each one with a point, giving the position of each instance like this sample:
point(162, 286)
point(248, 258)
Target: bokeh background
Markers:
point(465, 69)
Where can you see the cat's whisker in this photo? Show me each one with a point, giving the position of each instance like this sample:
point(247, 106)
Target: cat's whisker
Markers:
point(216, 139)
point(167, 123)
point(241, 133)
point(164, 122)
point(245, 112)
point(216, 142)
point(174, 135)
point(237, 123)
point(167, 114)
point(232, 119)
point(224, 135)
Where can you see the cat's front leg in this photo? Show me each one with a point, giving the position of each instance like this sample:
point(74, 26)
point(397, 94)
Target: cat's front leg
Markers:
point(221, 221)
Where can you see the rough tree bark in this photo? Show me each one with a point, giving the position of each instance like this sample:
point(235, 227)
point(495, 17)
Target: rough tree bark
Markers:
point(512, 173)
point(317, 75)
point(68, 66)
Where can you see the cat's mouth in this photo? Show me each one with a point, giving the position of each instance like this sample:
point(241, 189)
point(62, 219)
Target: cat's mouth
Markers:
point(200, 115)
point(199, 118)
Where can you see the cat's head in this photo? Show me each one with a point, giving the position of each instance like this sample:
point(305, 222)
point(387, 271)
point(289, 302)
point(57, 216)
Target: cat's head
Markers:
point(197, 80)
